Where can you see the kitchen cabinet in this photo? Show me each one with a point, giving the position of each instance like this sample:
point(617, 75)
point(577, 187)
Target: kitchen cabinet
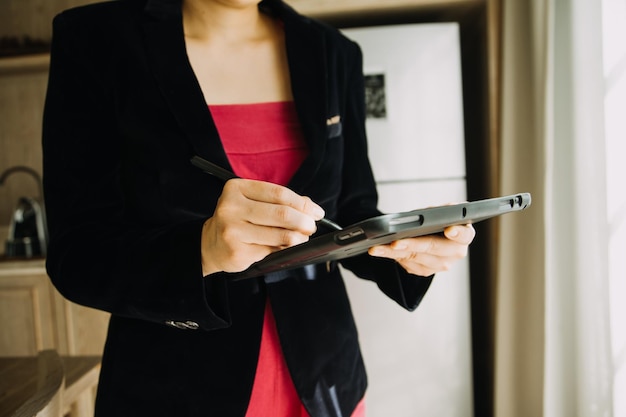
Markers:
point(36, 317)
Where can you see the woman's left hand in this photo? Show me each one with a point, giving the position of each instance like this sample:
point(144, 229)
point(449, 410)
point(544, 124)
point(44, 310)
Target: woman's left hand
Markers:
point(427, 255)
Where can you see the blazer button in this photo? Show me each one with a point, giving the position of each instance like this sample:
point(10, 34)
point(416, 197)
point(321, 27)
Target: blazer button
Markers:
point(183, 325)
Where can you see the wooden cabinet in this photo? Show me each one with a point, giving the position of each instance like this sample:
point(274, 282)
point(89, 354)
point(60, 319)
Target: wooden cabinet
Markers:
point(36, 317)
point(26, 308)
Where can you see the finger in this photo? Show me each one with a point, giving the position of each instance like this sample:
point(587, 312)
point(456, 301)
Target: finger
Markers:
point(417, 263)
point(463, 234)
point(425, 264)
point(272, 237)
point(433, 244)
point(258, 203)
point(276, 194)
point(420, 269)
point(388, 251)
point(234, 246)
point(281, 217)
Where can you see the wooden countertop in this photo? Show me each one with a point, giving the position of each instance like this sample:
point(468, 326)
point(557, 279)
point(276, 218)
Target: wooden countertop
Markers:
point(20, 378)
point(10, 265)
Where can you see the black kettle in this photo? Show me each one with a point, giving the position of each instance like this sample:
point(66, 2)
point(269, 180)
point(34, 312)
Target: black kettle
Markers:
point(28, 235)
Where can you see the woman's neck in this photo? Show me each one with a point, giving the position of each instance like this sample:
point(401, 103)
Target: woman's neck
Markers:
point(237, 53)
point(208, 20)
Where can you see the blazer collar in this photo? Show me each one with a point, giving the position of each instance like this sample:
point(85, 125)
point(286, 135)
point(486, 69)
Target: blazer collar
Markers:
point(162, 9)
point(306, 52)
point(165, 44)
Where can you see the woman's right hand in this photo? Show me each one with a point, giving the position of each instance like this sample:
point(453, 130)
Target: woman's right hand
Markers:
point(253, 219)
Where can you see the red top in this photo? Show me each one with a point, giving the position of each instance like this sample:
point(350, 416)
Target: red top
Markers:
point(264, 141)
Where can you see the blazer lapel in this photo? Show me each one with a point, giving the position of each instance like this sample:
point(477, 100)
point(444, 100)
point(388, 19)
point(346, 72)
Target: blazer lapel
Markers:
point(166, 50)
point(306, 52)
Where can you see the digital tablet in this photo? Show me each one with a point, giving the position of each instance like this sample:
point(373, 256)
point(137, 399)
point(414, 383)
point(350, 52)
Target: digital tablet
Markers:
point(359, 237)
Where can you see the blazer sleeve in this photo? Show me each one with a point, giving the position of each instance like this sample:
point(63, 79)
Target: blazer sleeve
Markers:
point(361, 198)
point(99, 255)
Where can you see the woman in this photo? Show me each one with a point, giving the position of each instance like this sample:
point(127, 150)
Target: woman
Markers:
point(138, 87)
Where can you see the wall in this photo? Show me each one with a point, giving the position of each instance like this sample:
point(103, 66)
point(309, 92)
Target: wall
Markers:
point(31, 18)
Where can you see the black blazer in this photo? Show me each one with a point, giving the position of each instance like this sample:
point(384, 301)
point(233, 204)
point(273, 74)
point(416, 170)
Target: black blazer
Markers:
point(124, 113)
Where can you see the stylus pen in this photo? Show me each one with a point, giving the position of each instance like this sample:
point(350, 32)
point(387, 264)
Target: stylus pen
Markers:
point(225, 175)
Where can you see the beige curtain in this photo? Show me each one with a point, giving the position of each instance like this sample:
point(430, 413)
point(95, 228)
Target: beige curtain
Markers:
point(520, 292)
point(553, 355)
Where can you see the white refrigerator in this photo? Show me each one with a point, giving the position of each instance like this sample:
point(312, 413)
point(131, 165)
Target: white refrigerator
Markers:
point(419, 363)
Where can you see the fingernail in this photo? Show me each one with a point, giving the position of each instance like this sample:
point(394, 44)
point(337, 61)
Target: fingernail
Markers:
point(400, 246)
point(376, 251)
point(453, 232)
point(318, 212)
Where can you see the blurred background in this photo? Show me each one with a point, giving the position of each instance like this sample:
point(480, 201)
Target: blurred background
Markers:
point(490, 96)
